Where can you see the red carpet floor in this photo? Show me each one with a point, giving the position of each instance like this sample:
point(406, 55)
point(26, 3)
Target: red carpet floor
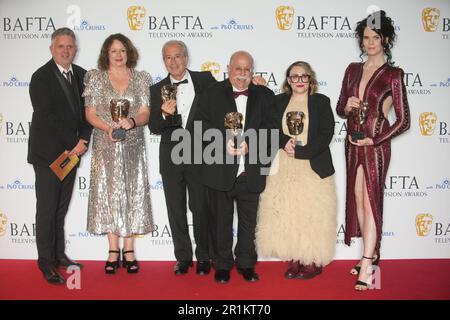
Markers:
point(400, 279)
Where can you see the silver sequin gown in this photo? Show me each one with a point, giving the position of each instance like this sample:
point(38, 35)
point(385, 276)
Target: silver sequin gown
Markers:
point(119, 195)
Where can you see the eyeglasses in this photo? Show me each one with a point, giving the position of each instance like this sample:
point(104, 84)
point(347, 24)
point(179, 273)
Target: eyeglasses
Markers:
point(305, 78)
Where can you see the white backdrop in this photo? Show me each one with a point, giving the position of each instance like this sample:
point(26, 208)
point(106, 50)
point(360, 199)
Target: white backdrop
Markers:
point(322, 33)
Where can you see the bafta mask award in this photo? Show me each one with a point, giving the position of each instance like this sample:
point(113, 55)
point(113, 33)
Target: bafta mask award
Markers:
point(294, 121)
point(233, 122)
point(119, 110)
point(169, 92)
point(359, 118)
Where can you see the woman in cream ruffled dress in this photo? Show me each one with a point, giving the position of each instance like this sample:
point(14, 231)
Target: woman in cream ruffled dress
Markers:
point(297, 211)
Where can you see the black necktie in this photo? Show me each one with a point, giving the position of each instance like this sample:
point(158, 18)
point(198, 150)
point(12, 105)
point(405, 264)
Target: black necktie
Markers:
point(68, 76)
point(236, 94)
point(181, 82)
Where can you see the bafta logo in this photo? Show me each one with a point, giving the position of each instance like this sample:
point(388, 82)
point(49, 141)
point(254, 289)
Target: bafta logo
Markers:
point(119, 109)
point(359, 118)
point(136, 15)
point(169, 92)
point(427, 122)
point(430, 19)
point(424, 222)
point(294, 121)
point(233, 122)
point(212, 67)
point(285, 17)
point(3, 222)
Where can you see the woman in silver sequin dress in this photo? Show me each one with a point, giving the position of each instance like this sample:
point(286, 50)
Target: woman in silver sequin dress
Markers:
point(119, 195)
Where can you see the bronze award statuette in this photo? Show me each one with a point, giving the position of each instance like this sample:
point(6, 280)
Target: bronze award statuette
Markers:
point(359, 118)
point(169, 92)
point(294, 121)
point(233, 122)
point(119, 110)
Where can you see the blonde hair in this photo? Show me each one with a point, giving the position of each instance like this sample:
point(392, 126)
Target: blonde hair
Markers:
point(313, 86)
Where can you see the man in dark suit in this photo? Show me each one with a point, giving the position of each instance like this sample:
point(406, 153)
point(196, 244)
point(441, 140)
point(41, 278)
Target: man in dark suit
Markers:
point(179, 177)
point(58, 124)
point(243, 179)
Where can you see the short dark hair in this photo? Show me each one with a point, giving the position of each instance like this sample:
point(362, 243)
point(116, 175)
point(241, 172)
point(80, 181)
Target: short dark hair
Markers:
point(132, 53)
point(385, 30)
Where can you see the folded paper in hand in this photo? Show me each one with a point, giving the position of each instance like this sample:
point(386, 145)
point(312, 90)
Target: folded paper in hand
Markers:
point(64, 164)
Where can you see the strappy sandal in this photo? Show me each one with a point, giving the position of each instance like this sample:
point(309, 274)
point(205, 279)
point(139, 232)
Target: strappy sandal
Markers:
point(111, 266)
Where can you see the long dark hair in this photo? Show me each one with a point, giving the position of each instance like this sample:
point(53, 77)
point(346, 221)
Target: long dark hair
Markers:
point(384, 27)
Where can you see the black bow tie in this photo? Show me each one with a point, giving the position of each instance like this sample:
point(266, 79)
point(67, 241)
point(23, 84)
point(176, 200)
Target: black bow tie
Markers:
point(236, 94)
point(181, 82)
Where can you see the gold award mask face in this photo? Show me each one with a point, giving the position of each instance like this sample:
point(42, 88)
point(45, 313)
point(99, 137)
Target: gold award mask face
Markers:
point(284, 16)
point(168, 92)
point(212, 67)
point(360, 114)
point(424, 222)
point(430, 19)
point(119, 109)
point(294, 121)
point(427, 123)
point(136, 17)
point(3, 222)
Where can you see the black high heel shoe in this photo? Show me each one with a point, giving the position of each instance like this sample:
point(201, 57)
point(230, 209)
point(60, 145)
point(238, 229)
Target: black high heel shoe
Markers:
point(132, 266)
point(356, 269)
point(111, 266)
point(361, 285)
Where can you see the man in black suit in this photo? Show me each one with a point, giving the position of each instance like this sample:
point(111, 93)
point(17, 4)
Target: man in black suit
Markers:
point(243, 179)
point(179, 177)
point(58, 124)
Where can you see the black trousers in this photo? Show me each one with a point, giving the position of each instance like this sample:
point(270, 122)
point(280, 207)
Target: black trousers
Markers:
point(52, 201)
point(222, 212)
point(175, 185)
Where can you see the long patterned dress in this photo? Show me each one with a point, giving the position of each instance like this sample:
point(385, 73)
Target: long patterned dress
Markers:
point(119, 195)
point(386, 81)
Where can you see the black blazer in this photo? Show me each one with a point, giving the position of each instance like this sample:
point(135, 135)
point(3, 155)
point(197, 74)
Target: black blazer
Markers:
point(260, 114)
point(58, 121)
point(157, 124)
point(320, 132)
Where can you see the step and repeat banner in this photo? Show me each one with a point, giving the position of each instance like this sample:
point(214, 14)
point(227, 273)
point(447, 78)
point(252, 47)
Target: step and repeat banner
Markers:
point(276, 33)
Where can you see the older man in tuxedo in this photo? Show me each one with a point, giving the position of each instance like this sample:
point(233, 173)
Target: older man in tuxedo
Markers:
point(165, 118)
point(241, 180)
point(58, 124)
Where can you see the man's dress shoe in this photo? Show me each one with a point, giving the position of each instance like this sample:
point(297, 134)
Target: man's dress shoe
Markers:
point(249, 274)
point(66, 263)
point(53, 276)
point(222, 276)
point(182, 267)
point(203, 267)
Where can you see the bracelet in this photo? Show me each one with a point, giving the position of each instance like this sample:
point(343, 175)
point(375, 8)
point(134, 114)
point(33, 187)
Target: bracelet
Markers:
point(134, 123)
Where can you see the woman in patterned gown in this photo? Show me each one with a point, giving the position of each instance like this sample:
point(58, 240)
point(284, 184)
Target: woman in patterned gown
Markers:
point(297, 210)
point(380, 84)
point(119, 195)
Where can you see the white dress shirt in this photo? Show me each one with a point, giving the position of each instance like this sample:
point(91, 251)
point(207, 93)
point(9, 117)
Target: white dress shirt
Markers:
point(241, 105)
point(62, 70)
point(185, 97)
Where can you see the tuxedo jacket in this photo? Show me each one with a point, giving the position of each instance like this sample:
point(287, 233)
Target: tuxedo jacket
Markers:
point(320, 132)
point(158, 125)
point(260, 114)
point(58, 120)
